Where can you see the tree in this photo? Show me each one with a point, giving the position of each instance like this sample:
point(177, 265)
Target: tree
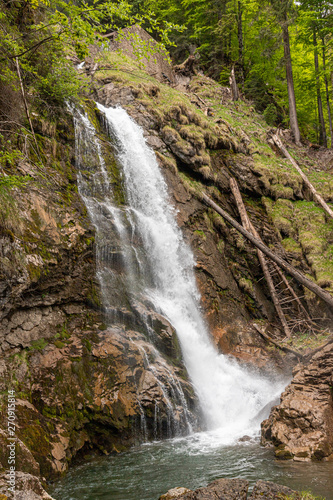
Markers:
point(40, 38)
point(282, 10)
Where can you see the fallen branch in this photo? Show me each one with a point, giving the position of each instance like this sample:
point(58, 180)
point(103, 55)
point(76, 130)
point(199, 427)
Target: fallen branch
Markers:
point(282, 347)
point(276, 141)
point(25, 101)
point(325, 296)
point(314, 351)
point(249, 227)
point(293, 293)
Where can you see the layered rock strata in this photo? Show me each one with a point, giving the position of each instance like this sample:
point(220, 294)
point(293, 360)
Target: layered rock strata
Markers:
point(301, 426)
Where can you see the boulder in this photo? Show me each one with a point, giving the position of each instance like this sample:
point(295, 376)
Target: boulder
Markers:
point(265, 490)
point(175, 493)
point(226, 489)
point(234, 489)
point(27, 487)
point(301, 426)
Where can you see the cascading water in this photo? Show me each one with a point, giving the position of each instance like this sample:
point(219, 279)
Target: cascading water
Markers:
point(159, 271)
point(119, 267)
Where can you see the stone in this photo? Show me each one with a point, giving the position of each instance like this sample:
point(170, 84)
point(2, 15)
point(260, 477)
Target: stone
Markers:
point(301, 426)
point(177, 492)
point(27, 487)
point(266, 490)
point(224, 489)
point(24, 460)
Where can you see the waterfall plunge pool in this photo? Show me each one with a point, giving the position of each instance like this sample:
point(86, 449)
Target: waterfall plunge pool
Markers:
point(149, 470)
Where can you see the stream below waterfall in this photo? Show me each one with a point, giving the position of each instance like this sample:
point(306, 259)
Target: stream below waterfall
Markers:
point(147, 471)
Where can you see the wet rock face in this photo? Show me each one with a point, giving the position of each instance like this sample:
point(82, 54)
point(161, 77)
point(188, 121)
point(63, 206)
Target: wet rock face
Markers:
point(301, 426)
point(80, 388)
point(102, 391)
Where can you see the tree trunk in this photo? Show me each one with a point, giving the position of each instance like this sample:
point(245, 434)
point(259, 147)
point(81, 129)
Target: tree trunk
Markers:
point(327, 94)
point(25, 101)
point(240, 41)
point(233, 85)
point(282, 347)
point(319, 199)
point(322, 128)
point(249, 227)
point(323, 294)
point(290, 83)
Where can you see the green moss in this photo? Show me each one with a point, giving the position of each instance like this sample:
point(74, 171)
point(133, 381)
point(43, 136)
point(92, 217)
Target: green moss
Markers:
point(94, 296)
point(201, 234)
point(291, 245)
point(59, 344)
point(87, 344)
point(306, 340)
point(281, 191)
point(221, 246)
point(38, 345)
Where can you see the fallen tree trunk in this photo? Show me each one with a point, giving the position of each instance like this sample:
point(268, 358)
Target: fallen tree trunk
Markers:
point(282, 347)
point(249, 227)
point(325, 296)
point(275, 140)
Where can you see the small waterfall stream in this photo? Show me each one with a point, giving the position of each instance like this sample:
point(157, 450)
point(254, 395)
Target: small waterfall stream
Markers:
point(158, 270)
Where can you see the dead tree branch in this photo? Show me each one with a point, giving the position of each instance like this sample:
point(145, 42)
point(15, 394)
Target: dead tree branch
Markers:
point(323, 294)
point(318, 198)
point(249, 227)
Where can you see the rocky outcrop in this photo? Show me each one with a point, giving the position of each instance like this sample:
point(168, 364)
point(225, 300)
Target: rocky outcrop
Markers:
point(301, 426)
point(234, 489)
point(101, 391)
point(181, 138)
point(265, 490)
point(80, 388)
point(26, 487)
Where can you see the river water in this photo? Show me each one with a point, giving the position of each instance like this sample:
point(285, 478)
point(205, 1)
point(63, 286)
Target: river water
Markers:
point(149, 470)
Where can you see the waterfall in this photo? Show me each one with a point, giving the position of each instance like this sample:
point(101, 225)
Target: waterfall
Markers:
point(159, 272)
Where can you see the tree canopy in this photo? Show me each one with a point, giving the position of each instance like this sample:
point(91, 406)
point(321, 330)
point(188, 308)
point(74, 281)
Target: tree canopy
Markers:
point(255, 38)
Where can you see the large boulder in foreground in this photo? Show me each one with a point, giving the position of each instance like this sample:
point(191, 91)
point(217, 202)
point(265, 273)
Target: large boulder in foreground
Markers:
point(301, 426)
point(234, 489)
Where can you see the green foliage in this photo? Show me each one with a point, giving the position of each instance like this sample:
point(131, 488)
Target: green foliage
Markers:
point(44, 36)
point(305, 495)
point(271, 115)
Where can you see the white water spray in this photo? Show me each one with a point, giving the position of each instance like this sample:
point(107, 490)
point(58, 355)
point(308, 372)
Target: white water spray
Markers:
point(230, 396)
